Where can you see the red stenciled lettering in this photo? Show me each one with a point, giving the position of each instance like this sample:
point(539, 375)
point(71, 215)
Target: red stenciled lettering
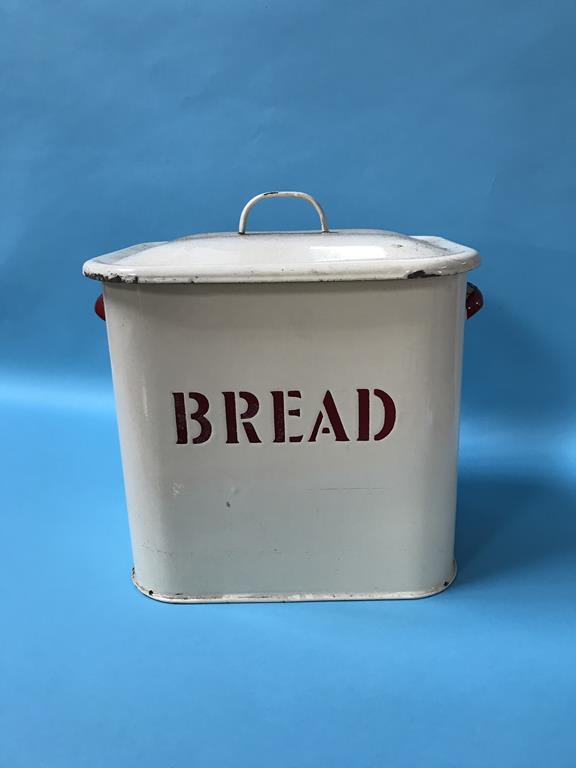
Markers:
point(363, 414)
point(330, 413)
point(279, 418)
point(295, 412)
point(389, 414)
point(279, 410)
point(252, 408)
point(199, 416)
point(180, 416)
point(328, 421)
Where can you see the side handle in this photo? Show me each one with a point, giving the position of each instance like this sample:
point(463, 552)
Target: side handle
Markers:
point(99, 307)
point(474, 299)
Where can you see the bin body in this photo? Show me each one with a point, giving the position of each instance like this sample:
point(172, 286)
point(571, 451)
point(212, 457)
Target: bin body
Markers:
point(288, 408)
point(297, 515)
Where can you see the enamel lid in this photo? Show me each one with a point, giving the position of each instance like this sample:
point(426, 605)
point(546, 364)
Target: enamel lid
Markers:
point(260, 257)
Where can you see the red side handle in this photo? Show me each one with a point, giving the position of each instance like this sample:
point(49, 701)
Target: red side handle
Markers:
point(99, 307)
point(474, 300)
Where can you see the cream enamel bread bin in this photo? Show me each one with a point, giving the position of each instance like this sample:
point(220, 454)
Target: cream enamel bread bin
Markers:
point(288, 408)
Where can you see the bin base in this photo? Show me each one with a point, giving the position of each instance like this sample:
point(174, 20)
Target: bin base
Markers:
point(296, 597)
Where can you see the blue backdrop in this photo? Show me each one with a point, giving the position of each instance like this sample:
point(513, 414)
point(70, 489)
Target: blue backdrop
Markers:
point(131, 121)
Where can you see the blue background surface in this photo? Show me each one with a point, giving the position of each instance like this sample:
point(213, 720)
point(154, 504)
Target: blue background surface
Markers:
point(134, 121)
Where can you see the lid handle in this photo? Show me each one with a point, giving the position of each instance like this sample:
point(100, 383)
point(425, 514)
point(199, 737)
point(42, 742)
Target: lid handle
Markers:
point(309, 199)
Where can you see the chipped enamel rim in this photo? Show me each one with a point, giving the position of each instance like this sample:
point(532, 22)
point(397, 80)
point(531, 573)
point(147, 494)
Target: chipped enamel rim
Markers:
point(267, 257)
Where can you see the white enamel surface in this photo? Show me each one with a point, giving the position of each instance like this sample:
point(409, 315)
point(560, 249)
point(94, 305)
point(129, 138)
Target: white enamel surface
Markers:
point(284, 257)
point(304, 520)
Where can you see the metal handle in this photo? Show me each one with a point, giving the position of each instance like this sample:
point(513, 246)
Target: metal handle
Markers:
point(248, 207)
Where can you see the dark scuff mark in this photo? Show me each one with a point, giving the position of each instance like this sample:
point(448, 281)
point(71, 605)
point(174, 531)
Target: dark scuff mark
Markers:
point(112, 278)
point(418, 273)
